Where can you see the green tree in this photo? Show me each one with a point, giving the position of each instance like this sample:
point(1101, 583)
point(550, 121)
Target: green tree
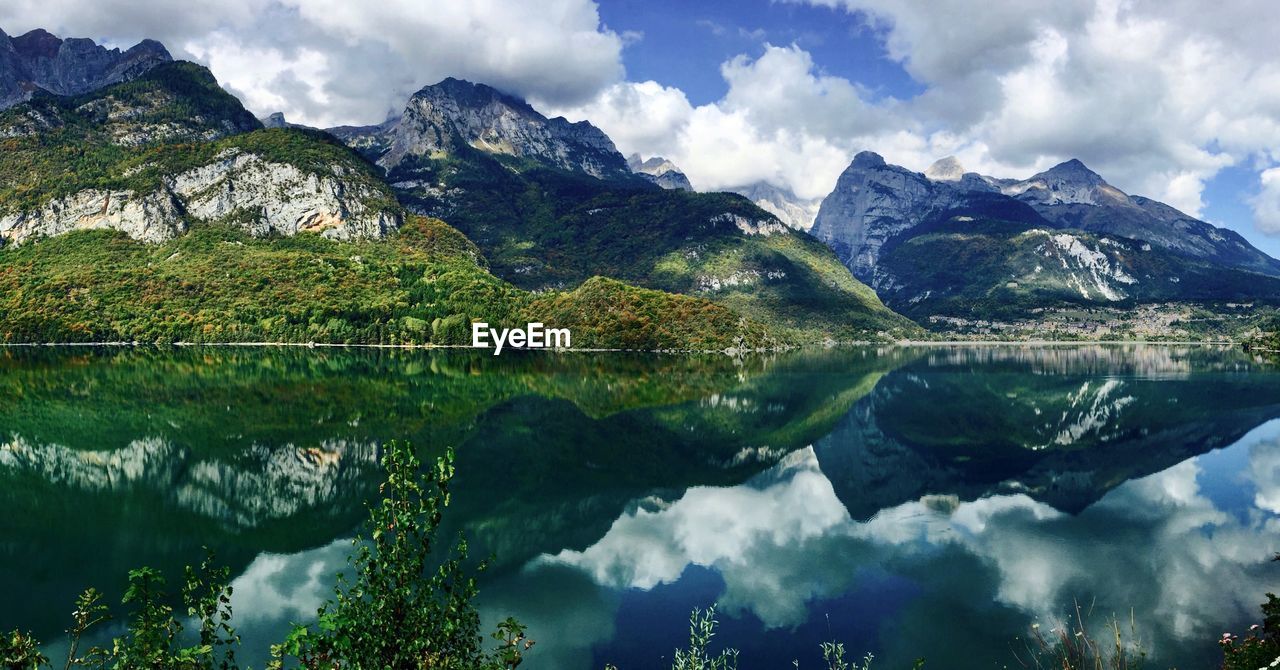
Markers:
point(401, 610)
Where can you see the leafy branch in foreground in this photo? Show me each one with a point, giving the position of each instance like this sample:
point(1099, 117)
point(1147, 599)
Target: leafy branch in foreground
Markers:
point(399, 610)
point(152, 633)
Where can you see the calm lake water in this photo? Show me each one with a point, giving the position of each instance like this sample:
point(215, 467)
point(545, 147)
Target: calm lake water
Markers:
point(917, 502)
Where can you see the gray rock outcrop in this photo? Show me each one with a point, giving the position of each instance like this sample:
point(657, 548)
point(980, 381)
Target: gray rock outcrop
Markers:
point(454, 115)
point(875, 201)
point(262, 196)
point(796, 212)
point(40, 61)
point(660, 171)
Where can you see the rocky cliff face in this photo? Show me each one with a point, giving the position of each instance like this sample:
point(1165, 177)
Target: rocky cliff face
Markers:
point(452, 115)
point(41, 61)
point(875, 202)
point(660, 171)
point(262, 196)
point(171, 149)
point(794, 211)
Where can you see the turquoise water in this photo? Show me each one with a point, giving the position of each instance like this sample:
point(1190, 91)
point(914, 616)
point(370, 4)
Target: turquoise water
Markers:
point(909, 502)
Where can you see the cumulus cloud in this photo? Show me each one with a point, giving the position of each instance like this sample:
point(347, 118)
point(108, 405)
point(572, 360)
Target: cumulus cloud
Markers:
point(1266, 203)
point(781, 121)
point(1157, 95)
point(331, 62)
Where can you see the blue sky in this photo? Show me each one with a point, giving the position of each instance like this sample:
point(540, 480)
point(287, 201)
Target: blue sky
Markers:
point(683, 44)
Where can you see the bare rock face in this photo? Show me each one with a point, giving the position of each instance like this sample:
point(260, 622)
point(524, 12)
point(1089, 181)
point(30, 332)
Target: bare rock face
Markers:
point(660, 171)
point(945, 169)
point(874, 202)
point(796, 212)
point(277, 199)
point(455, 115)
point(41, 61)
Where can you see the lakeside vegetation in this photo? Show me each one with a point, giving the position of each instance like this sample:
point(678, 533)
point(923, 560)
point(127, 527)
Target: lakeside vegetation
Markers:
point(424, 285)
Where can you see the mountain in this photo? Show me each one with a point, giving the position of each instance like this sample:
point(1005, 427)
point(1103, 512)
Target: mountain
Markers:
point(552, 204)
point(277, 120)
point(954, 243)
point(160, 210)
point(447, 117)
point(170, 149)
point(1072, 196)
point(660, 171)
point(798, 213)
point(40, 61)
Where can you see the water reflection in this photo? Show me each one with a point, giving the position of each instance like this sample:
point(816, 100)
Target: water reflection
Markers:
point(911, 502)
point(786, 551)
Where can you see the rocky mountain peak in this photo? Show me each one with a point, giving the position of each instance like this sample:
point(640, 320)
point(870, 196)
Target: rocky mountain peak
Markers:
point(1073, 171)
point(38, 43)
point(1066, 183)
point(463, 93)
point(875, 204)
point(945, 169)
point(867, 159)
point(454, 114)
point(660, 171)
point(73, 66)
point(796, 212)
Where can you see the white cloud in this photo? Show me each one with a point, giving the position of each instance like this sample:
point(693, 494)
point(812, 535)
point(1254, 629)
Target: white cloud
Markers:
point(781, 121)
point(1156, 95)
point(331, 62)
point(1266, 203)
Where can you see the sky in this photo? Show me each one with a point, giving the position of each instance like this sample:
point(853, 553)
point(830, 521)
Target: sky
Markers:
point(1177, 100)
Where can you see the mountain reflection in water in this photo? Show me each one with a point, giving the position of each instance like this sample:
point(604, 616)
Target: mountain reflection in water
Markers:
point(911, 502)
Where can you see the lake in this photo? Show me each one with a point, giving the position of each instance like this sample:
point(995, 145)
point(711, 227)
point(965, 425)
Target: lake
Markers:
point(909, 502)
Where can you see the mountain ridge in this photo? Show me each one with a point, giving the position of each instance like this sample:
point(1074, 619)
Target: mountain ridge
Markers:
point(971, 246)
point(39, 60)
point(552, 204)
point(1068, 195)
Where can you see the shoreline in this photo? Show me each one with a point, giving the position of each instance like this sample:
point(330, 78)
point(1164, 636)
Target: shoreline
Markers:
point(407, 347)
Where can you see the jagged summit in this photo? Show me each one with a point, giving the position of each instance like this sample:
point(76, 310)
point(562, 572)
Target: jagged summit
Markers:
point(455, 115)
point(877, 206)
point(1071, 182)
point(660, 171)
point(796, 212)
point(39, 60)
point(463, 93)
point(1073, 170)
point(945, 169)
point(867, 159)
